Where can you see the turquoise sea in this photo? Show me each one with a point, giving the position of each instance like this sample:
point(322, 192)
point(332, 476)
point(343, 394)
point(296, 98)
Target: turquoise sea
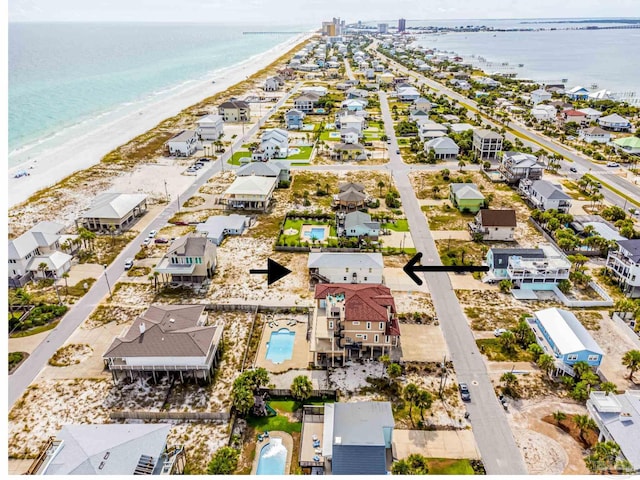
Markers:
point(64, 76)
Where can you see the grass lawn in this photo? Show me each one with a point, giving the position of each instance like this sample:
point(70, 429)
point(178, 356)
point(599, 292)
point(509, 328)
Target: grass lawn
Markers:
point(401, 225)
point(449, 466)
point(325, 137)
point(278, 422)
point(305, 154)
point(235, 159)
point(493, 350)
point(290, 405)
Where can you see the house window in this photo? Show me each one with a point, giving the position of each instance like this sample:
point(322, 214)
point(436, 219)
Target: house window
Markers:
point(346, 269)
point(365, 279)
point(593, 358)
point(571, 357)
point(368, 325)
point(387, 339)
point(363, 336)
point(370, 270)
point(330, 324)
point(355, 323)
point(381, 326)
point(345, 279)
point(376, 338)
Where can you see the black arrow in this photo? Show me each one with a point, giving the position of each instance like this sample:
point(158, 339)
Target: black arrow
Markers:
point(410, 268)
point(274, 271)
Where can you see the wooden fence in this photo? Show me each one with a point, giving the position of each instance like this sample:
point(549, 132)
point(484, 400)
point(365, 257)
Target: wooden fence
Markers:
point(145, 415)
point(285, 392)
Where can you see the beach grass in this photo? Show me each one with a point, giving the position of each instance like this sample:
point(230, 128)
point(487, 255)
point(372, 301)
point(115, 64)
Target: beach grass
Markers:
point(449, 466)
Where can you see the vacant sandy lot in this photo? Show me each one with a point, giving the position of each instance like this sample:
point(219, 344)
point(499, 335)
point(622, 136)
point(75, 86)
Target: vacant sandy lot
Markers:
point(422, 343)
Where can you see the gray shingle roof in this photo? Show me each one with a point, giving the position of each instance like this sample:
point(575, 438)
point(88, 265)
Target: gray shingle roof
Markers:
point(183, 136)
point(340, 260)
point(189, 246)
point(361, 423)
point(633, 247)
point(549, 190)
point(486, 134)
point(467, 191)
point(113, 205)
point(262, 169)
point(360, 218)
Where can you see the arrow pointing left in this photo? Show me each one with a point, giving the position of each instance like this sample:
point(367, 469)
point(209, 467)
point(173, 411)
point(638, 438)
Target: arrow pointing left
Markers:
point(274, 271)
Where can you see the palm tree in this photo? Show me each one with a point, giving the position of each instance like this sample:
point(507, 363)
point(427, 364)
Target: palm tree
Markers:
point(112, 232)
point(584, 423)
point(461, 164)
point(608, 387)
point(394, 371)
point(510, 380)
point(380, 187)
point(386, 361)
point(65, 275)
point(580, 368)
point(546, 363)
point(508, 341)
point(424, 402)
point(301, 388)
point(42, 267)
point(536, 350)
point(410, 395)
point(631, 360)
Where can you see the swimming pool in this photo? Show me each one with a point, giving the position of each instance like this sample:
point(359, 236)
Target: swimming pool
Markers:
point(273, 458)
point(280, 346)
point(317, 233)
point(293, 151)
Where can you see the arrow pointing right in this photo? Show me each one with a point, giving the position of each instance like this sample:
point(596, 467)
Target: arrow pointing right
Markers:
point(410, 268)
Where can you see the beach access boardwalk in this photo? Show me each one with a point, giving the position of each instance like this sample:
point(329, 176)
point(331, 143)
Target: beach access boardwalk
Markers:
point(33, 365)
point(531, 138)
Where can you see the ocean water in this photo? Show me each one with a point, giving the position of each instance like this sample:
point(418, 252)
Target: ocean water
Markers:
point(607, 58)
point(64, 76)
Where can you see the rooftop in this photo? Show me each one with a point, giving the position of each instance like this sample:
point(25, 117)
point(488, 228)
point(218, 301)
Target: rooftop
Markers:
point(633, 247)
point(252, 185)
point(487, 134)
point(341, 260)
point(113, 205)
point(368, 302)
point(361, 423)
point(566, 331)
point(549, 190)
point(183, 136)
point(498, 218)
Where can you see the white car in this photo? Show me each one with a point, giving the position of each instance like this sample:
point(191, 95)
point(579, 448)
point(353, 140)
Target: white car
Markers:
point(146, 241)
point(153, 233)
point(499, 331)
point(613, 164)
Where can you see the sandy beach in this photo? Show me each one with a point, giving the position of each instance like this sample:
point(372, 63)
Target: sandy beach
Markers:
point(87, 150)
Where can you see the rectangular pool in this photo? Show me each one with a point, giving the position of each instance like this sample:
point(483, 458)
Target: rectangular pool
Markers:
point(315, 233)
point(280, 346)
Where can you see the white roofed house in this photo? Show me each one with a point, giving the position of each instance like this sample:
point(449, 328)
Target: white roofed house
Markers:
point(184, 144)
point(113, 210)
point(408, 94)
point(216, 228)
point(210, 127)
point(330, 267)
point(349, 135)
point(167, 339)
point(516, 166)
point(110, 449)
point(624, 264)
point(545, 195)
point(561, 335)
point(591, 113)
point(274, 143)
point(273, 84)
point(294, 119)
point(250, 193)
point(190, 259)
point(421, 103)
point(544, 113)
point(354, 104)
point(351, 121)
point(594, 135)
point(540, 95)
point(430, 129)
point(443, 148)
point(39, 245)
point(615, 122)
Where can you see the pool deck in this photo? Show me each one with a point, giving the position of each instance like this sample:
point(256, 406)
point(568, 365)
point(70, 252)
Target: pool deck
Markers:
point(300, 356)
point(287, 441)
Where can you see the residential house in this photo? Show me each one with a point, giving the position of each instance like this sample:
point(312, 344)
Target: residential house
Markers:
point(354, 105)
point(591, 113)
point(516, 166)
point(306, 102)
point(444, 148)
point(617, 416)
point(272, 168)
point(461, 127)
point(37, 246)
point(349, 135)
point(294, 119)
point(274, 143)
point(578, 93)
point(407, 94)
point(495, 225)
point(351, 321)
point(486, 143)
point(348, 151)
point(217, 227)
point(430, 129)
point(334, 267)
point(450, 118)
point(273, 84)
point(540, 95)
point(594, 135)
point(561, 335)
point(544, 113)
point(358, 224)
point(574, 116)
point(210, 127)
point(357, 93)
point(528, 268)
point(287, 74)
point(416, 115)
point(235, 111)
point(385, 77)
point(250, 193)
point(351, 195)
point(318, 90)
point(183, 144)
point(615, 122)
point(466, 197)
point(167, 339)
point(110, 449)
point(110, 211)
point(628, 145)
point(624, 264)
point(190, 259)
point(356, 438)
point(545, 195)
point(422, 103)
point(351, 121)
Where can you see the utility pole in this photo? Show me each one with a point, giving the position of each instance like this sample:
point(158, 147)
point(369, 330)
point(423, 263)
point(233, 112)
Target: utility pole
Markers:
point(55, 283)
point(107, 279)
point(443, 375)
point(165, 190)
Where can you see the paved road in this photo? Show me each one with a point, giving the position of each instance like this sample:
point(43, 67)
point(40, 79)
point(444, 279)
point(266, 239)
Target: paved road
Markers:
point(31, 367)
point(491, 429)
point(603, 174)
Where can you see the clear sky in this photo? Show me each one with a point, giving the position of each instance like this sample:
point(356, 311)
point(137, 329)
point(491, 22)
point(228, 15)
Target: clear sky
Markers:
point(308, 12)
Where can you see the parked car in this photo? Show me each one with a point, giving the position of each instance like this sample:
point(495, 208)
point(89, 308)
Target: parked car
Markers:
point(499, 331)
point(128, 264)
point(161, 240)
point(613, 164)
point(204, 160)
point(146, 241)
point(464, 392)
point(398, 151)
point(153, 233)
point(573, 169)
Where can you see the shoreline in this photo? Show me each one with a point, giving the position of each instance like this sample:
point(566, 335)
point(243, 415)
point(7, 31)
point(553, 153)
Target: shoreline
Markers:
point(52, 166)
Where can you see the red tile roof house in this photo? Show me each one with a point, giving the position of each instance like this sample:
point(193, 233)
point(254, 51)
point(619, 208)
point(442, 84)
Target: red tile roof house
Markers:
point(351, 321)
point(574, 116)
point(169, 340)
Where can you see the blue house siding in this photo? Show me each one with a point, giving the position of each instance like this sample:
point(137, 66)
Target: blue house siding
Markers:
point(360, 230)
point(358, 460)
point(572, 357)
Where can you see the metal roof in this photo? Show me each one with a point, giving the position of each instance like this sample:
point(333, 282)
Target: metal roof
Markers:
point(183, 136)
point(549, 190)
point(467, 191)
point(341, 260)
point(113, 205)
point(361, 423)
point(566, 331)
point(252, 185)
